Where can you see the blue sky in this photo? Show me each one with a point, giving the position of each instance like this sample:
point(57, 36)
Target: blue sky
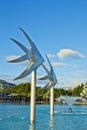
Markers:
point(59, 30)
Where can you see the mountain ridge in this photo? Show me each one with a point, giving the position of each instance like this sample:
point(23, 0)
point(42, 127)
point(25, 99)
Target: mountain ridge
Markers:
point(5, 84)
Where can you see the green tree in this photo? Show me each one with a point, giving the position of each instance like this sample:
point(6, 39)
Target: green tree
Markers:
point(76, 91)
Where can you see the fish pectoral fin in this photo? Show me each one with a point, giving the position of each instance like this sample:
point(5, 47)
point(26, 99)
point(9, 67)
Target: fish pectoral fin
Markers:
point(51, 85)
point(47, 85)
point(49, 62)
point(20, 45)
point(32, 45)
point(45, 68)
point(27, 71)
point(44, 78)
point(20, 59)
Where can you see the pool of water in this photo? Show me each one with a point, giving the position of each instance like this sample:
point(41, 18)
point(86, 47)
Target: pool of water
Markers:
point(16, 117)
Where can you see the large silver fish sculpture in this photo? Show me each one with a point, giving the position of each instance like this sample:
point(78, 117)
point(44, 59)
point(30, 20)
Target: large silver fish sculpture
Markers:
point(32, 54)
point(50, 75)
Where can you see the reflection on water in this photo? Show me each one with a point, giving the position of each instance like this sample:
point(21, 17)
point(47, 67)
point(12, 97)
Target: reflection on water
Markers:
point(32, 126)
point(51, 123)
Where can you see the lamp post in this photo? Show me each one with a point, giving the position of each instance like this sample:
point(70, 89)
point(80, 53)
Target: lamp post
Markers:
point(34, 57)
point(50, 85)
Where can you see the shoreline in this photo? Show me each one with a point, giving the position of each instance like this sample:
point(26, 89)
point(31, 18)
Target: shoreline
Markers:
point(39, 102)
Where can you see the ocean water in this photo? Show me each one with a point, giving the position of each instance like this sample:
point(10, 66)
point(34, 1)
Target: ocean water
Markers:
point(16, 117)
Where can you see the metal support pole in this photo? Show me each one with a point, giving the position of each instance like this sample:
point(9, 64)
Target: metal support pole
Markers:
point(33, 93)
point(52, 101)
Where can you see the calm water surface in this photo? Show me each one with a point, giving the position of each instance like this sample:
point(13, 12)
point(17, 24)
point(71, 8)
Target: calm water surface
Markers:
point(16, 117)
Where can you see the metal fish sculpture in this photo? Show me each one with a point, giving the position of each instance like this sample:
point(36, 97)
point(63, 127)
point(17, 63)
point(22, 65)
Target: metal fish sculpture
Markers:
point(50, 75)
point(32, 54)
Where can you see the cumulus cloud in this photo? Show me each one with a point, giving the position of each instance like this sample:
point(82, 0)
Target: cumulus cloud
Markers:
point(64, 53)
point(51, 55)
point(9, 58)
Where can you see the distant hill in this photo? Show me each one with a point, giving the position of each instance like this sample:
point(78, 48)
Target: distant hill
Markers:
point(5, 84)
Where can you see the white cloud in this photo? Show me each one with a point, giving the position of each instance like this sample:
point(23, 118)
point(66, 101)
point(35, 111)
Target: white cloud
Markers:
point(51, 55)
point(58, 64)
point(64, 53)
point(69, 84)
point(9, 58)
